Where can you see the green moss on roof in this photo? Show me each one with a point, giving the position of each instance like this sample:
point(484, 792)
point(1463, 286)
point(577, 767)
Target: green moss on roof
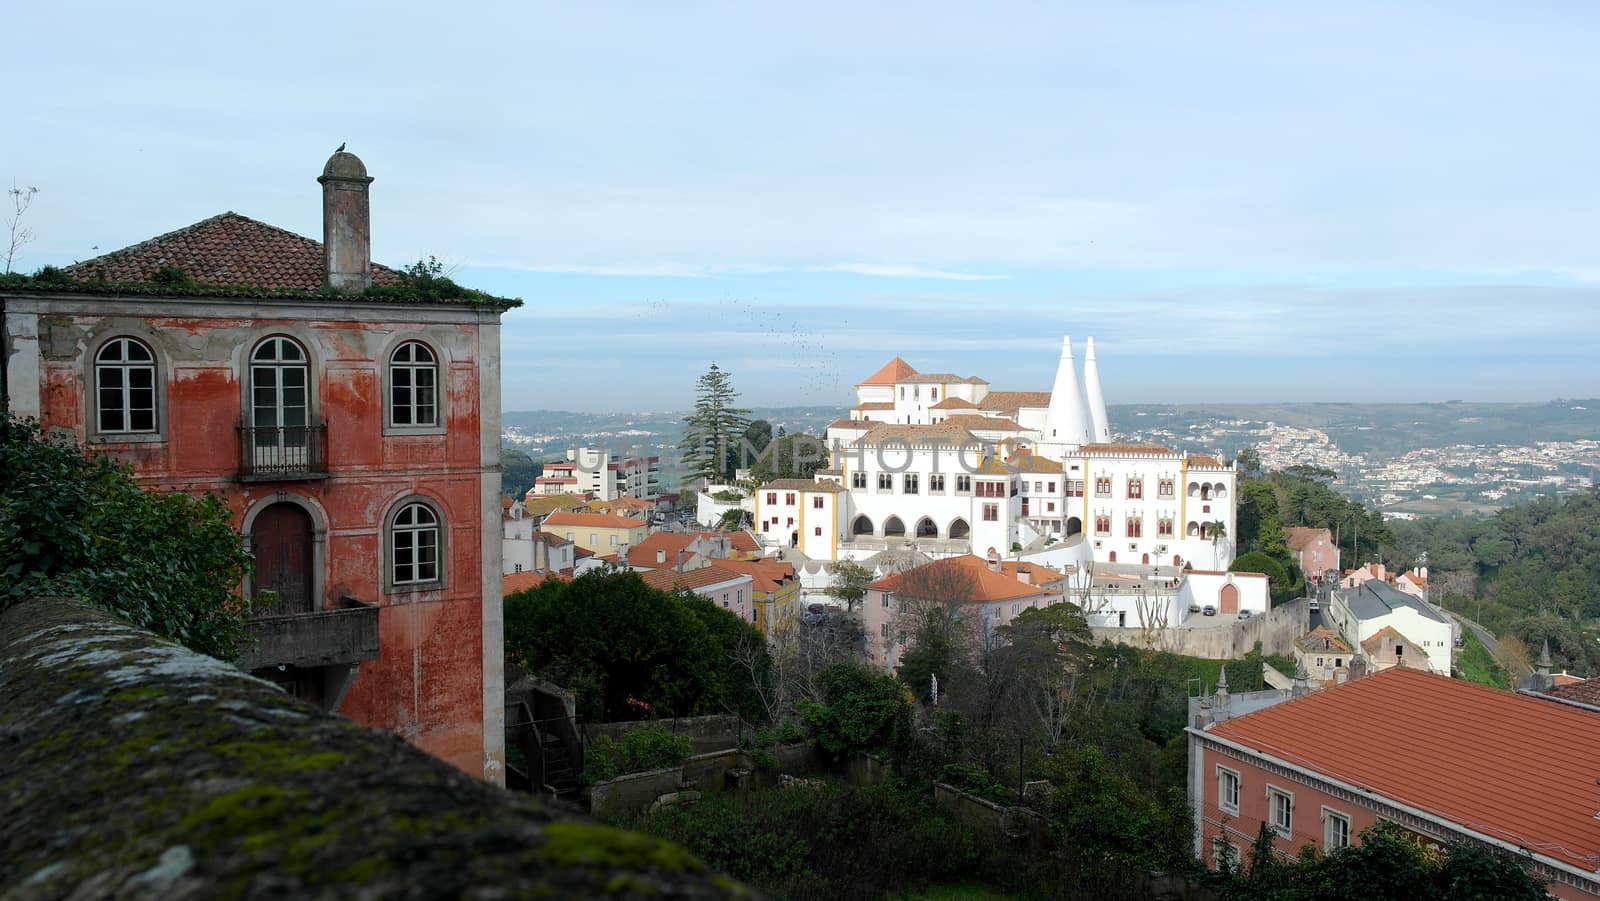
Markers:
point(50, 280)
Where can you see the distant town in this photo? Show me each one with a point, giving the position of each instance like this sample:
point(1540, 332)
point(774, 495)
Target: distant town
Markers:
point(1454, 466)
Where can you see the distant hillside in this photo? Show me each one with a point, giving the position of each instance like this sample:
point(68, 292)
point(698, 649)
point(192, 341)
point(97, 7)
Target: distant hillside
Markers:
point(1386, 429)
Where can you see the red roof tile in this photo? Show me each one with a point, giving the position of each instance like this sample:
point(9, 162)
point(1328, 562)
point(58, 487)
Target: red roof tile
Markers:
point(591, 521)
point(892, 371)
point(1506, 765)
point(1009, 402)
point(228, 250)
point(671, 580)
point(987, 585)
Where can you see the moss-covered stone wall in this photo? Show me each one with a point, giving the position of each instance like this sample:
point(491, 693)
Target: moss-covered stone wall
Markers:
point(134, 768)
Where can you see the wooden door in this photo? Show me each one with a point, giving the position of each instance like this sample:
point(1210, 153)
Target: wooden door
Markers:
point(1228, 599)
point(281, 539)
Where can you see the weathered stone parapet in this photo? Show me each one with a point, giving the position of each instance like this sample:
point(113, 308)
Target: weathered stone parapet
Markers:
point(133, 768)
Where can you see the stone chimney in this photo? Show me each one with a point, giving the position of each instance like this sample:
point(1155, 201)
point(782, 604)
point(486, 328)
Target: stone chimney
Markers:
point(1220, 702)
point(346, 223)
point(1542, 673)
point(994, 560)
point(1302, 681)
point(661, 555)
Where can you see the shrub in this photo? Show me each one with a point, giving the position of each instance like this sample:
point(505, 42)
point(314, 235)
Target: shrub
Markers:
point(638, 751)
point(79, 526)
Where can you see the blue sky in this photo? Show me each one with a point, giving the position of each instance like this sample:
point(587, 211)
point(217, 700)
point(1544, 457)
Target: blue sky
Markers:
point(1241, 201)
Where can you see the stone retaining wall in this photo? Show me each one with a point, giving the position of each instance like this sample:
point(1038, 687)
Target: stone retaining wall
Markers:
point(133, 768)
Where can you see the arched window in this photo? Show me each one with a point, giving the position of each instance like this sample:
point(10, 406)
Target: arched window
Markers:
point(414, 539)
point(413, 386)
point(125, 387)
point(926, 528)
point(280, 406)
point(893, 526)
point(960, 529)
point(862, 526)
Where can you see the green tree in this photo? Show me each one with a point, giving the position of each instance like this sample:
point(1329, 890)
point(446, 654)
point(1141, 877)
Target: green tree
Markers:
point(860, 710)
point(1249, 463)
point(517, 472)
point(79, 526)
point(850, 581)
point(711, 436)
point(1278, 581)
point(796, 456)
point(630, 651)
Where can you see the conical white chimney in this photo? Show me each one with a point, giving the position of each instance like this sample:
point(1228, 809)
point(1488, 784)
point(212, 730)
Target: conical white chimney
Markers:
point(1066, 424)
point(1099, 426)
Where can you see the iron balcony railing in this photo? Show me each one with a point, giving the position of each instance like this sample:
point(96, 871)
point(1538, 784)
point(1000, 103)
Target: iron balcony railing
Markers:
point(283, 452)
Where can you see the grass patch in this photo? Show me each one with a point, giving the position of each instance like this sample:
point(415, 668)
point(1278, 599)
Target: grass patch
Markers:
point(1476, 664)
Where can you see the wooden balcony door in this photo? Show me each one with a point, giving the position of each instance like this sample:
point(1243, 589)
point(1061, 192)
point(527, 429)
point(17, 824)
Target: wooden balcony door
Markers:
point(281, 540)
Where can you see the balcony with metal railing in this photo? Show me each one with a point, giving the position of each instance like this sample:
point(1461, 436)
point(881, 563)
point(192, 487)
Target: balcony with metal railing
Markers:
point(283, 453)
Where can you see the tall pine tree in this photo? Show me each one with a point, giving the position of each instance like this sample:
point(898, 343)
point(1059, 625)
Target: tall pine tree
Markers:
point(711, 438)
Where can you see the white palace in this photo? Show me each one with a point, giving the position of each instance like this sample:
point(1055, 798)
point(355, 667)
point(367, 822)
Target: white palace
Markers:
point(939, 463)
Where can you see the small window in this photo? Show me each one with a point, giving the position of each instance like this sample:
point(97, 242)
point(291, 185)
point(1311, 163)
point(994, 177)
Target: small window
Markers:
point(1280, 807)
point(1228, 790)
point(788, 499)
point(885, 602)
point(936, 482)
point(772, 497)
point(413, 386)
point(883, 629)
point(885, 482)
point(991, 512)
point(1335, 830)
point(964, 483)
point(911, 483)
point(415, 540)
point(816, 502)
point(858, 480)
point(817, 531)
point(125, 386)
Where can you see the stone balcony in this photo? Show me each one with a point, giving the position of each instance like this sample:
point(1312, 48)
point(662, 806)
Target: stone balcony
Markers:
point(344, 634)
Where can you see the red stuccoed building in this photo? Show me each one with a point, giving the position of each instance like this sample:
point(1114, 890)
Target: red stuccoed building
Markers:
point(348, 414)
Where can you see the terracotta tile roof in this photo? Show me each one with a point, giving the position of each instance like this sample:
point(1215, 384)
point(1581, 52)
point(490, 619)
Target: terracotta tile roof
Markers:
point(624, 504)
point(1009, 402)
point(1040, 575)
point(1125, 447)
point(1300, 536)
point(1027, 461)
point(740, 540)
point(802, 485)
point(671, 580)
point(1204, 461)
point(913, 434)
point(551, 538)
point(875, 405)
point(591, 521)
point(987, 585)
point(525, 580)
point(1511, 766)
point(942, 378)
point(1584, 692)
point(954, 403)
point(1563, 680)
point(765, 574)
point(1322, 638)
point(549, 503)
point(228, 250)
point(862, 424)
point(670, 543)
point(892, 371)
point(971, 421)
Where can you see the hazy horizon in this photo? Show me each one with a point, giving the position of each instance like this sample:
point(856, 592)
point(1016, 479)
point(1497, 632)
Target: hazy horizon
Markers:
point(1296, 203)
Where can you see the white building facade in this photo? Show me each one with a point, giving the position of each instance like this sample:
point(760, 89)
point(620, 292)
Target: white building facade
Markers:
point(940, 463)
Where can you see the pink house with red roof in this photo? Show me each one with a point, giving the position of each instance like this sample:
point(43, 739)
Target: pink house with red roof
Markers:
point(1454, 761)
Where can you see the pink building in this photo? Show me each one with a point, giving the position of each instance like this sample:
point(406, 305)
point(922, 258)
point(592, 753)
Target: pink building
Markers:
point(995, 592)
point(732, 591)
point(1413, 582)
point(1446, 759)
point(1313, 550)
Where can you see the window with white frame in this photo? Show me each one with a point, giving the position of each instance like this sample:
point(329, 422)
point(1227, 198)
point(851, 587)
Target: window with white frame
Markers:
point(125, 387)
point(413, 386)
point(858, 480)
point(1335, 830)
point(1224, 854)
point(964, 483)
point(885, 482)
point(1280, 811)
point(1228, 790)
point(910, 480)
point(936, 482)
point(414, 540)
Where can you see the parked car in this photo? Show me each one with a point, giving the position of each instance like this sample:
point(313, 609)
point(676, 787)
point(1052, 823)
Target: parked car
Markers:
point(1245, 614)
point(1209, 610)
point(1315, 606)
point(1194, 608)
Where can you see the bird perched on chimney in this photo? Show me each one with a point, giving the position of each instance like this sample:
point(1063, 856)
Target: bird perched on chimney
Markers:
point(341, 147)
